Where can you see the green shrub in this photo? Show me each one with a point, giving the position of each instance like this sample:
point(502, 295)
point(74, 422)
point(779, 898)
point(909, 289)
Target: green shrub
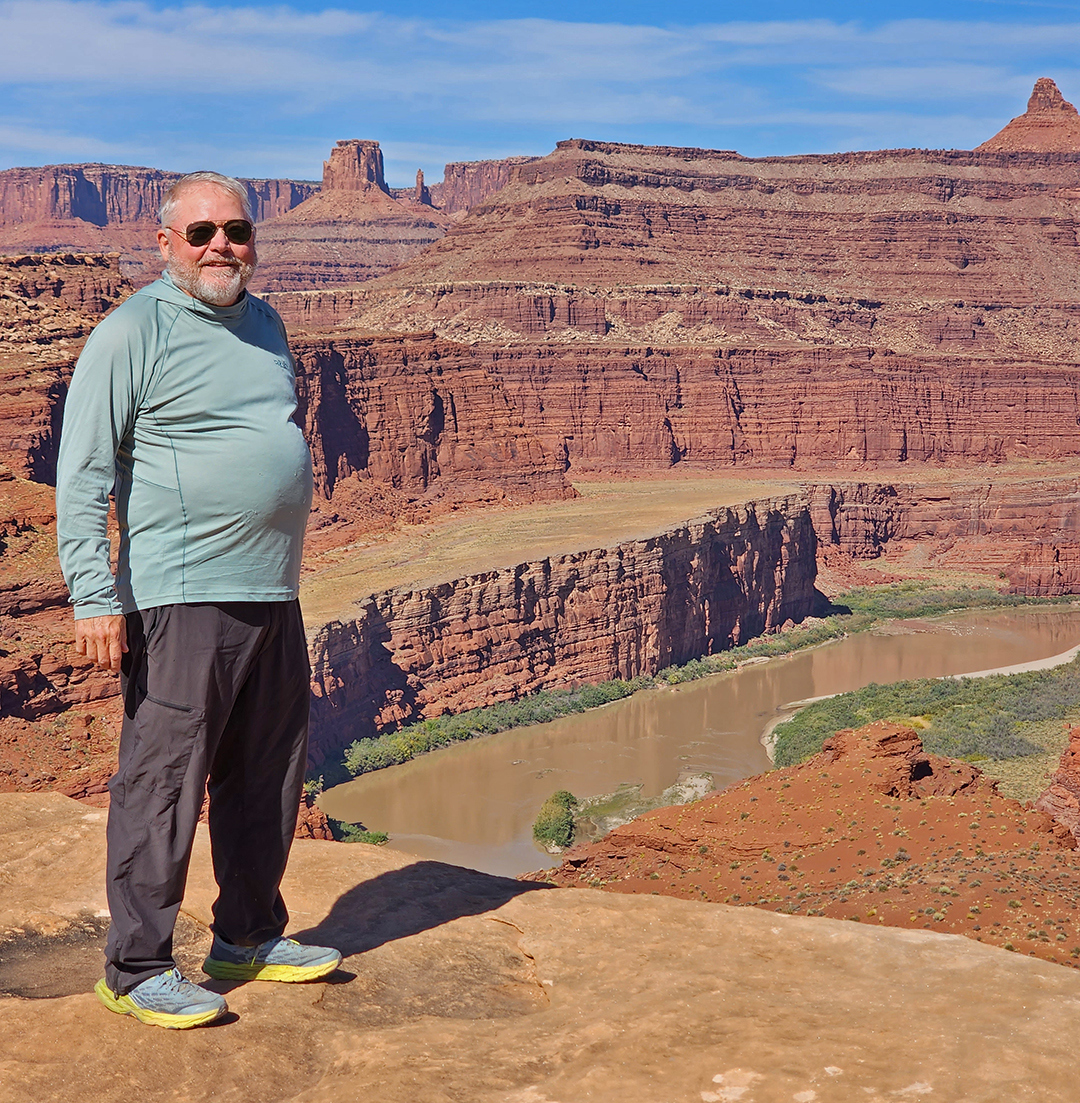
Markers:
point(356, 833)
point(554, 825)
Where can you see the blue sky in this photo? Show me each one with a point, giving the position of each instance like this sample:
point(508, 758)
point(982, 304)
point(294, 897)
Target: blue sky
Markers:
point(266, 89)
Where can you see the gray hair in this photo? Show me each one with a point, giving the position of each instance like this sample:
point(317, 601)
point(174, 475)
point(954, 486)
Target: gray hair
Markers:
point(171, 199)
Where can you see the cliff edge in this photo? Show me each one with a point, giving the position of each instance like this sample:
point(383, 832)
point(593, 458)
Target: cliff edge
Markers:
point(492, 991)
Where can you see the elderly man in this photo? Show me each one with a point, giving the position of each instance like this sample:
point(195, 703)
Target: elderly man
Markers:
point(182, 406)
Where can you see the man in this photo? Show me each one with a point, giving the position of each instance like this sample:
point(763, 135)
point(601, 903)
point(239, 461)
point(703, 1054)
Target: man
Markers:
point(182, 405)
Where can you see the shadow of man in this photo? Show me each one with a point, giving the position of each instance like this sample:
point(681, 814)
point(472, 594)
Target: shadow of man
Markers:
point(404, 902)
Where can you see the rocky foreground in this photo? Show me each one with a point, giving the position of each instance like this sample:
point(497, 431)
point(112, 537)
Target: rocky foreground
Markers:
point(874, 830)
point(467, 988)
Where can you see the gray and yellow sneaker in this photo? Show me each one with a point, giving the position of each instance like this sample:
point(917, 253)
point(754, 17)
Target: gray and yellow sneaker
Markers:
point(168, 999)
point(277, 959)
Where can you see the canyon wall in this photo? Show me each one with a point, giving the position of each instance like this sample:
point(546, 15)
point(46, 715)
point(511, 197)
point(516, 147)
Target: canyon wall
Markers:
point(1024, 530)
point(466, 184)
point(601, 407)
point(586, 617)
point(413, 415)
point(105, 195)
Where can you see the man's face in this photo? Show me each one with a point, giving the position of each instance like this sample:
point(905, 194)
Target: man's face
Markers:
point(216, 272)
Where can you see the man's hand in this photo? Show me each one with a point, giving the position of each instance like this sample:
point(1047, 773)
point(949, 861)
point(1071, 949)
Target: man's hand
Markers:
point(102, 640)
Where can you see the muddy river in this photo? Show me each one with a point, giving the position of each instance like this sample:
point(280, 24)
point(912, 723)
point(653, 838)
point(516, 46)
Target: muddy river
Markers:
point(474, 804)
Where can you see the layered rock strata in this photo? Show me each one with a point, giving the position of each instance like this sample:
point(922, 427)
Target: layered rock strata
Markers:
point(1050, 124)
point(1061, 798)
point(871, 829)
point(352, 230)
point(633, 408)
point(108, 208)
point(914, 251)
point(586, 617)
point(413, 415)
point(1024, 531)
point(466, 184)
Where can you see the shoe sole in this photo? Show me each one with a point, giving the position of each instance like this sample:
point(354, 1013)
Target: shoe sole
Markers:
point(125, 1005)
point(286, 974)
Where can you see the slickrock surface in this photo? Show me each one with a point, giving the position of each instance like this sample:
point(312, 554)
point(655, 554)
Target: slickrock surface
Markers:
point(871, 829)
point(1050, 124)
point(463, 987)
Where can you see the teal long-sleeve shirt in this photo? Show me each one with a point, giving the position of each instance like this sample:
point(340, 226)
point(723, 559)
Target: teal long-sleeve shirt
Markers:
point(185, 412)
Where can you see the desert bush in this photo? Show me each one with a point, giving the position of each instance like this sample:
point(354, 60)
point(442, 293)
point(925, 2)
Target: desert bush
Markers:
point(356, 833)
point(554, 825)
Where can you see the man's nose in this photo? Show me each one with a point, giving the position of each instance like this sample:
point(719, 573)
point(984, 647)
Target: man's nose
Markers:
point(220, 241)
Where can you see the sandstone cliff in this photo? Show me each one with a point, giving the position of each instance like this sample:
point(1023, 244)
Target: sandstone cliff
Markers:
point(104, 195)
point(107, 208)
point(1022, 530)
point(466, 184)
point(351, 230)
point(913, 251)
point(630, 408)
point(586, 617)
point(414, 416)
point(1061, 798)
point(1050, 124)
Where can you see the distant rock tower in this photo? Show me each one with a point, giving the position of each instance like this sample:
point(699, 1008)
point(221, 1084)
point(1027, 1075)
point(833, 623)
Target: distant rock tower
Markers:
point(1050, 125)
point(421, 195)
point(355, 165)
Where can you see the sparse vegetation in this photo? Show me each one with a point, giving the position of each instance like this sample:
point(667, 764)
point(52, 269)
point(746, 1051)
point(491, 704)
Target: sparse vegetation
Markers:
point(554, 826)
point(854, 611)
point(978, 719)
point(356, 833)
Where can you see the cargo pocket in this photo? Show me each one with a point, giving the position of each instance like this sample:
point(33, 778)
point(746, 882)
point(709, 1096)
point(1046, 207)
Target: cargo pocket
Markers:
point(151, 776)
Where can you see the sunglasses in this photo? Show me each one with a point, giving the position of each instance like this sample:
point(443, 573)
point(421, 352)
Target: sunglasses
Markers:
point(198, 234)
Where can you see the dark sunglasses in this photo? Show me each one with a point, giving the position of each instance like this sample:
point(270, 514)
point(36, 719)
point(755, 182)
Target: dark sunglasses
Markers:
point(198, 234)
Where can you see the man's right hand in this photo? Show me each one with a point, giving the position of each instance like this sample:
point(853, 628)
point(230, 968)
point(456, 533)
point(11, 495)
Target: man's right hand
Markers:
point(102, 640)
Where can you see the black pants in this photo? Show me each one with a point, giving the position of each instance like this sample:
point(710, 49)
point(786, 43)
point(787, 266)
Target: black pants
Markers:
point(218, 692)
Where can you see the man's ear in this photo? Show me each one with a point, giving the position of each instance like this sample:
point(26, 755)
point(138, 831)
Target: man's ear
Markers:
point(163, 244)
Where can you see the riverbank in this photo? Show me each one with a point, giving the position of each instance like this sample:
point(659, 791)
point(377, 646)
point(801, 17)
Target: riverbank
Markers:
point(474, 802)
point(857, 610)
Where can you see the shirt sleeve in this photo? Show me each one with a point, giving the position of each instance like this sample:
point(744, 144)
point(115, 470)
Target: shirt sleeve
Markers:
point(98, 414)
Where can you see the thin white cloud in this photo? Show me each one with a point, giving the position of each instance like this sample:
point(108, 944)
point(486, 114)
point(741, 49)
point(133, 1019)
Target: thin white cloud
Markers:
point(353, 71)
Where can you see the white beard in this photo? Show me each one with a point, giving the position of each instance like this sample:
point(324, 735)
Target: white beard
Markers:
point(218, 283)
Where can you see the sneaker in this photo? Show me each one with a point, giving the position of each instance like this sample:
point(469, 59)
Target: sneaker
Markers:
point(168, 999)
point(278, 959)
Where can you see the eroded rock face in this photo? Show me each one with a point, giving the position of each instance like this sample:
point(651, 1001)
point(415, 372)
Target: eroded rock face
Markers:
point(587, 617)
point(1050, 124)
point(908, 250)
point(871, 829)
point(352, 230)
point(1022, 530)
point(466, 184)
point(103, 208)
point(1061, 798)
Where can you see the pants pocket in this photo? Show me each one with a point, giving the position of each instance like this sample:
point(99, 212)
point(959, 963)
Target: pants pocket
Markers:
point(154, 766)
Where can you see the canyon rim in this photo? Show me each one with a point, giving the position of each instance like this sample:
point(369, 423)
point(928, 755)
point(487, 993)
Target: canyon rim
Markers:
point(877, 348)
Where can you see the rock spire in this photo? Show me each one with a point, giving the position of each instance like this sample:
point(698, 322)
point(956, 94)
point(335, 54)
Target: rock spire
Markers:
point(1050, 125)
point(355, 165)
